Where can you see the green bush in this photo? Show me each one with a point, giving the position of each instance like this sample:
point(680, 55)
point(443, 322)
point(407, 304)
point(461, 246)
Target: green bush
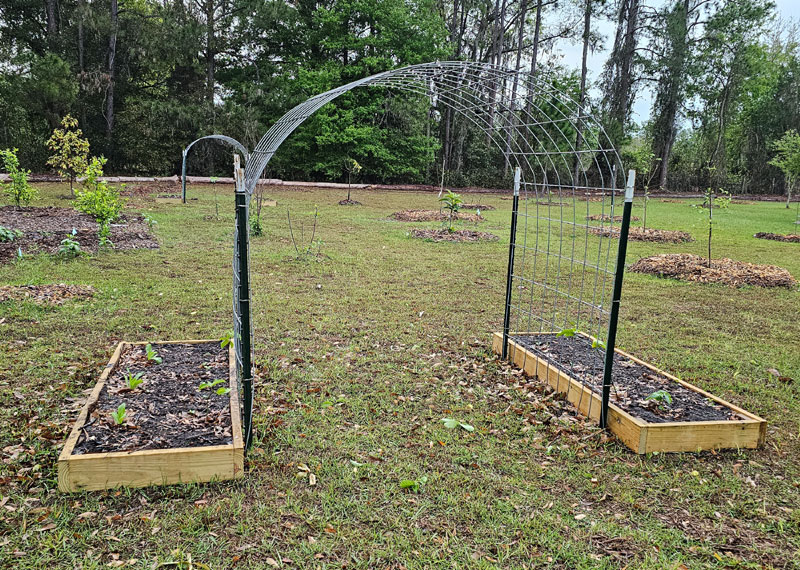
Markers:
point(18, 189)
point(97, 198)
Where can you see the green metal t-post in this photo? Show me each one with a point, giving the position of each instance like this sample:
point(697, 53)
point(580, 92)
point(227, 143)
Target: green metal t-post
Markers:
point(510, 275)
point(615, 297)
point(183, 177)
point(244, 304)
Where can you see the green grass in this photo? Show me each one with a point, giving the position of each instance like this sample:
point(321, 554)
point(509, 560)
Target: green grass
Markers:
point(359, 357)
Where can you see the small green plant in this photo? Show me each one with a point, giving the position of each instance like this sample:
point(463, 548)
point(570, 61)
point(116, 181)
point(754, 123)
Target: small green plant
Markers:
point(566, 332)
point(152, 355)
point(662, 398)
point(18, 189)
point(256, 230)
point(598, 344)
point(414, 484)
point(352, 167)
point(450, 423)
point(452, 203)
point(223, 391)
point(118, 415)
point(133, 380)
point(787, 158)
point(719, 200)
point(8, 235)
point(99, 200)
point(226, 339)
point(150, 221)
point(69, 247)
point(70, 151)
point(211, 384)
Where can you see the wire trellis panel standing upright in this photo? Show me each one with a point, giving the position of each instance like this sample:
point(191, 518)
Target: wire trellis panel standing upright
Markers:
point(570, 197)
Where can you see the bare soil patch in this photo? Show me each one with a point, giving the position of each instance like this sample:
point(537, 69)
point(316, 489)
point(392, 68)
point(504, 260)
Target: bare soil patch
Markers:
point(457, 235)
point(632, 382)
point(688, 267)
point(168, 409)
point(349, 203)
point(55, 294)
point(432, 216)
point(482, 207)
point(791, 238)
point(647, 234)
point(608, 218)
point(44, 228)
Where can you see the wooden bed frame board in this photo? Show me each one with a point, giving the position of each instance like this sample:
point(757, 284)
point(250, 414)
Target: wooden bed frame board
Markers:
point(639, 435)
point(96, 471)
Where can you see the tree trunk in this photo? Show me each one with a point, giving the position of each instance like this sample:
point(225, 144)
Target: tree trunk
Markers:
point(210, 54)
point(52, 22)
point(112, 54)
point(512, 116)
point(587, 28)
point(534, 55)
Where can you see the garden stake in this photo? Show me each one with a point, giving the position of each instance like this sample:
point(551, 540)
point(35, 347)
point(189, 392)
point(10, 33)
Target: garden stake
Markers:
point(615, 298)
point(243, 343)
point(511, 245)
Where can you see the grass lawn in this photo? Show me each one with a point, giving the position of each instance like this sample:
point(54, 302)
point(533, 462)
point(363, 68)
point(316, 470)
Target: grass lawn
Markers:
point(359, 357)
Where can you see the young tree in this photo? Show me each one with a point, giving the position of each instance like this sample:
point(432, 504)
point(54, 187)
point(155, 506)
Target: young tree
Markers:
point(646, 165)
point(70, 151)
point(788, 159)
point(352, 167)
point(18, 189)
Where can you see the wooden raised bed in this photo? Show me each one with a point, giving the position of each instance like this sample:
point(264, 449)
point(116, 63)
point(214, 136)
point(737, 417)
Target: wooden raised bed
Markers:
point(640, 435)
point(95, 471)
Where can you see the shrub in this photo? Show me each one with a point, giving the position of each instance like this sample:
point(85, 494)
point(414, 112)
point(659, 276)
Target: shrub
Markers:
point(98, 199)
point(70, 151)
point(18, 189)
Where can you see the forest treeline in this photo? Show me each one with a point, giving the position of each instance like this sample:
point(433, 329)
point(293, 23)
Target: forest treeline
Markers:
point(146, 77)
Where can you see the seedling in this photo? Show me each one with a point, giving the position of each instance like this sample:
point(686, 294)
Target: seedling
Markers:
point(450, 423)
point(119, 415)
point(204, 385)
point(133, 380)
point(152, 355)
point(452, 203)
point(149, 220)
point(8, 235)
point(598, 344)
point(413, 484)
point(70, 248)
point(223, 391)
point(662, 398)
point(566, 332)
point(226, 340)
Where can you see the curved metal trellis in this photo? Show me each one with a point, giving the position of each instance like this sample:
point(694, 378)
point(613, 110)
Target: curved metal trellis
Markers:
point(569, 175)
point(231, 141)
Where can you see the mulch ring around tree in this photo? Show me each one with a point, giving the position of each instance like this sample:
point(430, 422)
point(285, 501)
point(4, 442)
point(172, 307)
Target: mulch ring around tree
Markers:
point(481, 207)
point(632, 382)
point(791, 238)
point(647, 234)
point(54, 294)
point(456, 235)
point(433, 216)
point(349, 203)
point(688, 267)
point(607, 218)
point(44, 228)
point(168, 409)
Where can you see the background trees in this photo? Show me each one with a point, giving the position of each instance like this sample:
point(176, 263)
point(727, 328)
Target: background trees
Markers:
point(143, 78)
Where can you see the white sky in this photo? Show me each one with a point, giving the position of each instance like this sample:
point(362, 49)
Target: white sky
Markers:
point(570, 54)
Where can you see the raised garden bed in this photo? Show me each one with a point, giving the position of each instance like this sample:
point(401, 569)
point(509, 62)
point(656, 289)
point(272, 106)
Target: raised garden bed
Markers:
point(172, 431)
point(689, 267)
point(791, 238)
point(455, 235)
point(694, 420)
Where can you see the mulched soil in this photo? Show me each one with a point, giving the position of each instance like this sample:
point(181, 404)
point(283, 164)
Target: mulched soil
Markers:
point(44, 228)
point(458, 235)
point(792, 238)
point(539, 202)
point(688, 267)
point(648, 234)
point(349, 203)
point(632, 382)
point(160, 188)
point(607, 218)
point(55, 294)
point(167, 410)
point(432, 216)
point(482, 207)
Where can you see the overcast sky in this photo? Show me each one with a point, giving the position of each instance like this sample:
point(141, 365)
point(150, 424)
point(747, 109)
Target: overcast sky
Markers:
point(570, 54)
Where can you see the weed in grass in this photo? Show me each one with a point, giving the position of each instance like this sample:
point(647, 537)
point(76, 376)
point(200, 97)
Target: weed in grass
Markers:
point(415, 485)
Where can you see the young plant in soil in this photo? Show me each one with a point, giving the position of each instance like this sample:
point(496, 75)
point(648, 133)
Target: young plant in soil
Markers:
point(18, 189)
point(133, 380)
point(256, 230)
point(644, 162)
point(99, 200)
point(788, 160)
point(222, 390)
point(118, 415)
point(152, 355)
point(226, 339)
point(661, 398)
point(8, 235)
point(70, 151)
point(70, 248)
point(719, 200)
point(306, 251)
point(452, 203)
point(353, 168)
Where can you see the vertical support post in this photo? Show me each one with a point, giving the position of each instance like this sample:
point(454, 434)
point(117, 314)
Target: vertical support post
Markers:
point(615, 297)
point(511, 247)
point(243, 252)
point(183, 177)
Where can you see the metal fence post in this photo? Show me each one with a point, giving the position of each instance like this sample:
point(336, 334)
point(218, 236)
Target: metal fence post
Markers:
point(616, 295)
point(243, 253)
point(511, 247)
point(183, 177)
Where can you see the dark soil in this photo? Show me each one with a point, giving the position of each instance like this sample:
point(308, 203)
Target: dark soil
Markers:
point(688, 267)
point(607, 218)
point(349, 203)
point(168, 410)
point(482, 207)
point(648, 234)
point(55, 294)
point(632, 382)
point(44, 228)
point(457, 235)
point(433, 216)
point(792, 238)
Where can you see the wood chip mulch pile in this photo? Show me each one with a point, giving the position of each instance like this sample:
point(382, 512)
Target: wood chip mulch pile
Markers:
point(688, 267)
point(55, 294)
point(458, 235)
point(607, 218)
point(347, 202)
point(647, 234)
point(793, 238)
point(482, 207)
point(432, 216)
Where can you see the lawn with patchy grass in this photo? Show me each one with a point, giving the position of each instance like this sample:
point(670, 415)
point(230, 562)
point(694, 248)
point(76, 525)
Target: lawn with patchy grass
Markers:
point(361, 351)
